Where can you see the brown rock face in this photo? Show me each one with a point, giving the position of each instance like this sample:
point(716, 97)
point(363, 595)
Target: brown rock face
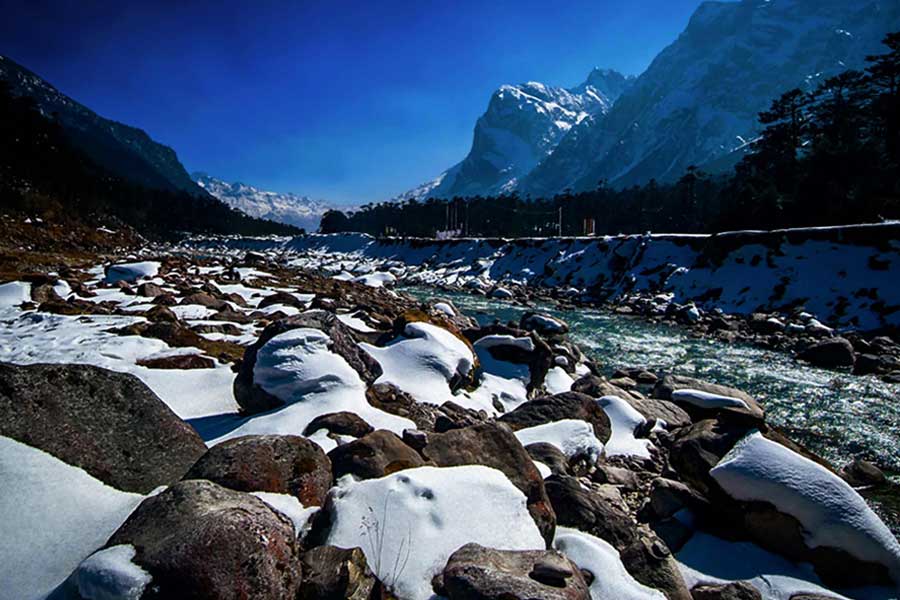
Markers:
point(477, 573)
point(180, 361)
point(331, 573)
point(109, 424)
point(201, 541)
point(568, 405)
point(494, 445)
point(283, 464)
point(374, 455)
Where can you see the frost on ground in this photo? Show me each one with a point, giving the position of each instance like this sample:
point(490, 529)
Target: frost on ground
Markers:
point(409, 523)
point(624, 420)
point(831, 511)
point(611, 580)
point(423, 362)
point(53, 516)
point(574, 438)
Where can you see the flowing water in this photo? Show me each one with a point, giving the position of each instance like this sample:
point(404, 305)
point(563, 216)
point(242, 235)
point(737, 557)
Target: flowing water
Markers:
point(838, 415)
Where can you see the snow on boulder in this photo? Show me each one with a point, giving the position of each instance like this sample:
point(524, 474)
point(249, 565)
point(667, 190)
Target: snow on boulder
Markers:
point(424, 362)
point(558, 381)
point(376, 280)
point(611, 579)
point(543, 324)
point(14, 293)
point(624, 420)
point(445, 308)
point(707, 400)
point(525, 344)
point(832, 514)
point(109, 574)
point(409, 523)
point(298, 368)
point(573, 437)
point(131, 272)
point(52, 516)
point(501, 293)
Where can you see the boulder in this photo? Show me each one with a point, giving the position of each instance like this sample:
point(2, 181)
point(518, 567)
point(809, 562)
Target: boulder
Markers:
point(829, 353)
point(567, 405)
point(161, 313)
point(544, 325)
point(699, 448)
point(549, 455)
point(283, 298)
point(374, 455)
point(205, 299)
point(736, 590)
point(109, 424)
point(331, 573)
point(860, 473)
point(597, 387)
point(149, 290)
point(390, 398)
point(282, 464)
point(253, 399)
point(202, 541)
point(178, 361)
point(654, 409)
point(750, 411)
point(340, 423)
point(477, 573)
point(494, 445)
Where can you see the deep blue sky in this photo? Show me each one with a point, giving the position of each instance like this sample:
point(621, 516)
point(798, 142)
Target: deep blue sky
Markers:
point(347, 101)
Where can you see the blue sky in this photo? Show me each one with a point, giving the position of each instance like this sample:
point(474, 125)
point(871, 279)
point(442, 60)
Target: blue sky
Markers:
point(346, 101)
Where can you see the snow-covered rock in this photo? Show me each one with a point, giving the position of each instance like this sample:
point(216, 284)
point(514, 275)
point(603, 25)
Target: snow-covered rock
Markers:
point(409, 523)
point(831, 512)
point(707, 400)
point(624, 420)
point(131, 272)
point(573, 437)
point(109, 574)
point(14, 293)
point(423, 362)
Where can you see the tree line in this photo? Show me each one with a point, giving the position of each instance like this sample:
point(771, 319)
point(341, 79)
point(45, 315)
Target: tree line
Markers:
point(824, 157)
point(42, 173)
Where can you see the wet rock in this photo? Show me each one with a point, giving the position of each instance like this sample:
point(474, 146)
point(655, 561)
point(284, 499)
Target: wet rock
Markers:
point(331, 573)
point(829, 353)
point(861, 473)
point(736, 590)
point(374, 455)
point(109, 424)
point(477, 573)
point(340, 423)
point(202, 541)
point(253, 399)
point(567, 405)
point(282, 464)
point(178, 361)
point(494, 445)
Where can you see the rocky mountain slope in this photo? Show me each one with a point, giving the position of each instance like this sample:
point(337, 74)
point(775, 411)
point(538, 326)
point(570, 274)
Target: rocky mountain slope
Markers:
point(124, 150)
point(292, 209)
point(522, 125)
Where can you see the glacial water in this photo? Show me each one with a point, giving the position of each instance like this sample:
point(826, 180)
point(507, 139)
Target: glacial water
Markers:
point(838, 415)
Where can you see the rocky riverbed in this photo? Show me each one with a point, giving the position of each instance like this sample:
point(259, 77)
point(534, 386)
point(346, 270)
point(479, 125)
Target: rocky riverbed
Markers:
point(235, 426)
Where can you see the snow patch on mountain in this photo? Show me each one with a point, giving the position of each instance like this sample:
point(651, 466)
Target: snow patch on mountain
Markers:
point(292, 209)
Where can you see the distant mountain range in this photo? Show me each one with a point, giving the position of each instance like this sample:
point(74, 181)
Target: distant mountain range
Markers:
point(292, 209)
point(121, 149)
point(696, 104)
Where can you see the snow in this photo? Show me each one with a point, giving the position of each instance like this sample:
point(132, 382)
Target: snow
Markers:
point(491, 341)
point(624, 419)
point(502, 293)
point(290, 507)
point(707, 400)
point(831, 512)
point(611, 579)
point(375, 280)
point(52, 516)
point(356, 323)
point(423, 362)
point(543, 469)
point(110, 574)
point(14, 293)
point(558, 381)
point(445, 308)
point(573, 437)
point(298, 368)
point(544, 323)
point(131, 272)
point(409, 523)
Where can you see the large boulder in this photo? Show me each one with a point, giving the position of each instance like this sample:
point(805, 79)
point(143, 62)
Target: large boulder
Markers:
point(331, 573)
point(202, 541)
point(253, 399)
point(477, 573)
point(109, 424)
point(374, 455)
point(282, 464)
point(567, 405)
point(829, 353)
point(495, 445)
point(704, 399)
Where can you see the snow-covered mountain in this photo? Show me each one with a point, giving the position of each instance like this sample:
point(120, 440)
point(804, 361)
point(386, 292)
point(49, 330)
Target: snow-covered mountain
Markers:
point(300, 211)
point(522, 125)
point(699, 99)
